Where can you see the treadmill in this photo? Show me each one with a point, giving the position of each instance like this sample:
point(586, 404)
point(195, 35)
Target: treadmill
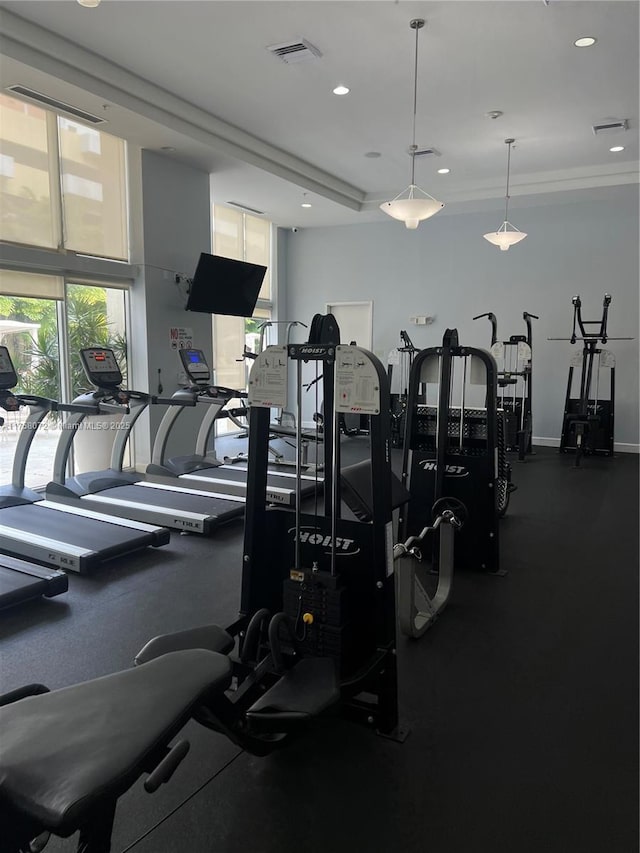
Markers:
point(203, 470)
point(125, 494)
point(21, 581)
point(33, 528)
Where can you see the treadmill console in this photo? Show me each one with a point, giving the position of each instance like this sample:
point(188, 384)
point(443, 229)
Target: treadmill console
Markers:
point(101, 367)
point(8, 375)
point(195, 366)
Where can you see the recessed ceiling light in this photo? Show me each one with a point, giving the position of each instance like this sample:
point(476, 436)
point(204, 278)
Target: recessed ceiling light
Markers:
point(305, 204)
point(90, 4)
point(373, 154)
point(443, 171)
point(585, 41)
point(617, 148)
point(168, 149)
point(341, 90)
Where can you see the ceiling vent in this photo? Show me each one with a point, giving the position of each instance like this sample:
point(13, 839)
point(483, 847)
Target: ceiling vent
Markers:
point(425, 152)
point(246, 207)
point(54, 104)
point(295, 51)
point(611, 125)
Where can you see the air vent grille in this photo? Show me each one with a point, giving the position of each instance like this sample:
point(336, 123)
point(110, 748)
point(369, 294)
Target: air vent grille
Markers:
point(246, 207)
point(425, 152)
point(295, 51)
point(55, 104)
point(611, 126)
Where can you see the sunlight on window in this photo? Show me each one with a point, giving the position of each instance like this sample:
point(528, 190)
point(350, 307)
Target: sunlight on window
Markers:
point(25, 180)
point(93, 191)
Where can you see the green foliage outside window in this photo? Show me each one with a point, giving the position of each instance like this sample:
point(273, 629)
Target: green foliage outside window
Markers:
point(36, 355)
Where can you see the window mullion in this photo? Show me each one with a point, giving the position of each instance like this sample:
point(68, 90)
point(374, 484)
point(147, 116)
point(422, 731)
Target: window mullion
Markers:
point(55, 181)
point(63, 363)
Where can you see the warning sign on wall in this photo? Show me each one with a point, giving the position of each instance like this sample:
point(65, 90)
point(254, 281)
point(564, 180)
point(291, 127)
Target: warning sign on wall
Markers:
point(181, 337)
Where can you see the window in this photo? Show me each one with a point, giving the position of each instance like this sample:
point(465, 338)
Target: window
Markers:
point(242, 237)
point(62, 185)
point(47, 360)
point(26, 182)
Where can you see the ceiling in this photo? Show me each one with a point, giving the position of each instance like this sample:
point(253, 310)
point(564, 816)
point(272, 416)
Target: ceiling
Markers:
point(197, 77)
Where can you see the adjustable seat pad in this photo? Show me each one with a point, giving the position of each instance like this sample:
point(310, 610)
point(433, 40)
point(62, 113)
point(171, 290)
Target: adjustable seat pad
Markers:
point(61, 752)
point(210, 637)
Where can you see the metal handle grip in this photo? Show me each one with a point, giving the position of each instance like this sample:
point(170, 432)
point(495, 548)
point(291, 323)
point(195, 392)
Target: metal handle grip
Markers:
point(167, 767)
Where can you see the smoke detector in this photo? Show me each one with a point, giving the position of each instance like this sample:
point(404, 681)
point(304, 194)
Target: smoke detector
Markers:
point(295, 51)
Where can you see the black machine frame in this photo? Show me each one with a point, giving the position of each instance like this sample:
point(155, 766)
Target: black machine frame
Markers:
point(406, 354)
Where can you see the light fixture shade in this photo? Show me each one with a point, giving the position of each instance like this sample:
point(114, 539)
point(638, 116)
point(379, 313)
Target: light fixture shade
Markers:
point(505, 238)
point(412, 210)
point(90, 4)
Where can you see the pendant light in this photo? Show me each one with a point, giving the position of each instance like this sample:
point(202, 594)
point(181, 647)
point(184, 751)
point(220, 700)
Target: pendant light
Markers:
point(407, 207)
point(507, 235)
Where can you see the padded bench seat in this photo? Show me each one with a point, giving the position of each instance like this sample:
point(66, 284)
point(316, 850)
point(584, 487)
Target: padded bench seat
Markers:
point(62, 753)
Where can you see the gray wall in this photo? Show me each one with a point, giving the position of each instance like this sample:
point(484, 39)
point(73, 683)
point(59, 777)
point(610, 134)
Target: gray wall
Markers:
point(446, 270)
point(177, 227)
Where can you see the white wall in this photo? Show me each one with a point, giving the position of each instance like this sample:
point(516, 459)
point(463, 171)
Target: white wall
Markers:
point(447, 270)
point(176, 229)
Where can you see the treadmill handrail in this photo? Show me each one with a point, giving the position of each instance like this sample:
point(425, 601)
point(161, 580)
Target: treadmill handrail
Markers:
point(11, 402)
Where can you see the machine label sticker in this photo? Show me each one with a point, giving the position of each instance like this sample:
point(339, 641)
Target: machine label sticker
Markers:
point(64, 561)
point(357, 388)
point(268, 379)
point(449, 470)
point(312, 536)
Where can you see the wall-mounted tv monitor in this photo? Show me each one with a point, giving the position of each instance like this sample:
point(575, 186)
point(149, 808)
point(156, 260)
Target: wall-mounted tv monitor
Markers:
point(224, 286)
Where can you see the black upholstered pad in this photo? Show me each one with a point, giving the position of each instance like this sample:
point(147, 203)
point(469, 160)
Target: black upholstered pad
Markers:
point(61, 751)
point(303, 692)
point(357, 490)
point(209, 637)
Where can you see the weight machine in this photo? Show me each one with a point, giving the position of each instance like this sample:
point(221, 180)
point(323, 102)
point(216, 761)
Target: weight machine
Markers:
point(67, 756)
point(515, 378)
point(588, 421)
point(454, 455)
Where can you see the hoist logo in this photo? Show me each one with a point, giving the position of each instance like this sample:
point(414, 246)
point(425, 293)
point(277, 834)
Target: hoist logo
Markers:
point(312, 350)
point(449, 470)
point(312, 536)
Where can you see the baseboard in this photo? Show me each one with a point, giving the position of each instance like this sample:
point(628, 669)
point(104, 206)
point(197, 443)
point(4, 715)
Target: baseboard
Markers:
point(545, 442)
point(619, 446)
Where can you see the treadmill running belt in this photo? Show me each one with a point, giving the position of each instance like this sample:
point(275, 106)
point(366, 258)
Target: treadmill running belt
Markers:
point(218, 508)
point(239, 475)
point(102, 540)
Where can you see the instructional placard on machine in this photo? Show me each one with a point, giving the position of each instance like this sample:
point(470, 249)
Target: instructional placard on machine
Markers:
point(357, 383)
point(268, 379)
point(180, 337)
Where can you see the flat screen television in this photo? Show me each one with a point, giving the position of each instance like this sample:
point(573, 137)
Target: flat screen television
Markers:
point(224, 286)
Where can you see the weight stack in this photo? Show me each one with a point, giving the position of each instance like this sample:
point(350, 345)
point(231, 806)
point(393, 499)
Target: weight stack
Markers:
point(330, 633)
